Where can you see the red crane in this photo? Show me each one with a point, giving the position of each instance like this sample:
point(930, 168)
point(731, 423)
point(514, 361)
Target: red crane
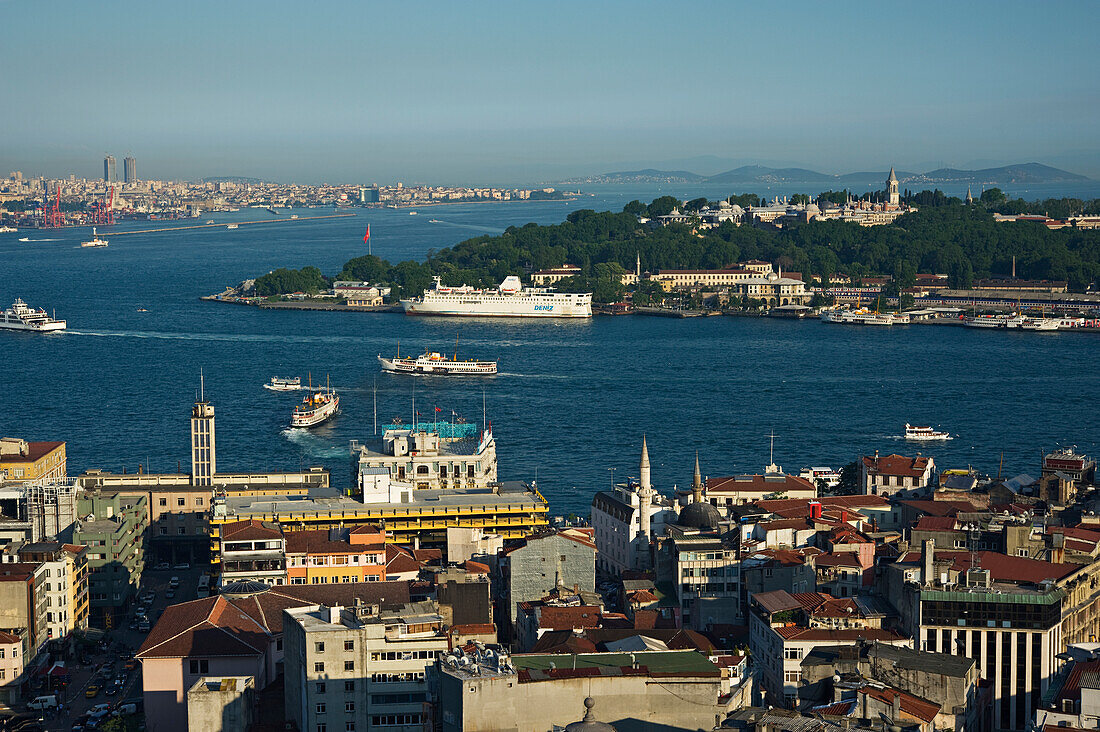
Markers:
point(103, 212)
point(52, 218)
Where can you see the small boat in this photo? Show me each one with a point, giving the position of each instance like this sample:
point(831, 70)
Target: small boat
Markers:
point(924, 434)
point(95, 241)
point(294, 216)
point(435, 363)
point(433, 221)
point(8, 229)
point(231, 226)
point(317, 406)
point(142, 310)
point(210, 221)
point(412, 213)
point(278, 383)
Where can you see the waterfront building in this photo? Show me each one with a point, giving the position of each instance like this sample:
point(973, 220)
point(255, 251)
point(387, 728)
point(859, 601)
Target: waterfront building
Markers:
point(129, 170)
point(320, 556)
point(679, 689)
point(21, 460)
point(114, 532)
point(239, 632)
point(774, 289)
point(670, 279)
point(627, 518)
point(547, 277)
point(428, 456)
point(65, 572)
point(896, 475)
point(737, 490)
point(110, 174)
point(544, 562)
point(1080, 470)
point(362, 668)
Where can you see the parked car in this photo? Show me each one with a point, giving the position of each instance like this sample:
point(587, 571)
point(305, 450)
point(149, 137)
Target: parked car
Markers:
point(111, 690)
point(99, 711)
point(170, 594)
point(174, 582)
point(143, 626)
point(182, 565)
point(162, 566)
point(92, 691)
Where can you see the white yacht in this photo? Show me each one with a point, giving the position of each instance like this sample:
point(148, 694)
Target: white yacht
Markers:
point(21, 317)
point(231, 226)
point(924, 434)
point(510, 299)
point(95, 241)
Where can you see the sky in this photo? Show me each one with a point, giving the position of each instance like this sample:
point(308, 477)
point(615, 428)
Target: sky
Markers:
point(485, 93)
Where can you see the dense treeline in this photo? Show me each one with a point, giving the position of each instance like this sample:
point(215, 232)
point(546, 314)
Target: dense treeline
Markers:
point(962, 241)
point(281, 281)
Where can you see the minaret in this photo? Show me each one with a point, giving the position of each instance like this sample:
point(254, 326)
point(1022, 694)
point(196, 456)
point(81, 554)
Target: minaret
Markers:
point(969, 196)
point(893, 198)
point(638, 275)
point(203, 463)
point(645, 493)
point(697, 482)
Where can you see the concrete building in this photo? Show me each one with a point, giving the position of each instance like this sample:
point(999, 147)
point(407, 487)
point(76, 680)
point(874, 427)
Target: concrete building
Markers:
point(37, 510)
point(203, 450)
point(362, 668)
point(464, 544)
point(547, 277)
point(252, 550)
point(627, 518)
point(896, 475)
point(65, 570)
point(23, 605)
point(332, 556)
point(21, 460)
point(546, 561)
point(237, 633)
point(643, 690)
point(110, 173)
point(114, 532)
point(427, 457)
point(704, 568)
point(129, 170)
point(12, 654)
point(226, 704)
point(740, 489)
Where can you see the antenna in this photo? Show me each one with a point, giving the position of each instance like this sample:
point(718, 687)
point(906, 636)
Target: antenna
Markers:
point(375, 406)
point(202, 386)
point(483, 422)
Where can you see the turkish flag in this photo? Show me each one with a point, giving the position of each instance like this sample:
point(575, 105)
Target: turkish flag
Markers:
point(366, 237)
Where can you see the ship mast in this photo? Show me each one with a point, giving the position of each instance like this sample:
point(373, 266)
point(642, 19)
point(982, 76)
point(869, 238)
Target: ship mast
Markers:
point(456, 345)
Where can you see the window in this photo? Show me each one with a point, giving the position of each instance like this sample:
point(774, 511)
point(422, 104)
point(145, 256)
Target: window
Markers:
point(319, 647)
point(201, 666)
point(320, 728)
point(792, 677)
point(349, 665)
point(321, 708)
point(181, 501)
point(163, 502)
point(198, 501)
point(279, 645)
point(320, 687)
point(319, 667)
point(1, 652)
point(349, 686)
point(181, 530)
point(349, 645)
point(349, 726)
point(349, 706)
point(794, 653)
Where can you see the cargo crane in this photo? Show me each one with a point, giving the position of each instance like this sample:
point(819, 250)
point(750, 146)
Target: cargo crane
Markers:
point(103, 212)
point(51, 211)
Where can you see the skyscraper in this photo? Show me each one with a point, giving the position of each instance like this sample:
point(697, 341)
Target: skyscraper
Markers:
point(110, 175)
point(129, 170)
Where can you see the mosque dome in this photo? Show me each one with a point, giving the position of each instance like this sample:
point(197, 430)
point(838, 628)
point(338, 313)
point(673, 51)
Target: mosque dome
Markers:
point(589, 723)
point(244, 588)
point(699, 516)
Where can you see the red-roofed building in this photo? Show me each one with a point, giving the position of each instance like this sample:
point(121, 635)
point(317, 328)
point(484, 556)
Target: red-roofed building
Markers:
point(892, 475)
point(739, 489)
point(252, 550)
point(333, 556)
point(21, 460)
point(902, 709)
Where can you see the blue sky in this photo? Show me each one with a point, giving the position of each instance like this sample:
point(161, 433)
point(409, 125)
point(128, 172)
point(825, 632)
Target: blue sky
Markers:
point(478, 92)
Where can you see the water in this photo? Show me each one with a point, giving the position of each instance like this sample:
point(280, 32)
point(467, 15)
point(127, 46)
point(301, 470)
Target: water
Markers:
point(573, 398)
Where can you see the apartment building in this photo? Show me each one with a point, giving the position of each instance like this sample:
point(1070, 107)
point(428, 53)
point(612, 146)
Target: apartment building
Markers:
point(331, 556)
point(896, 475)
point(21, 460)
point(114, 532)
point(65, 583)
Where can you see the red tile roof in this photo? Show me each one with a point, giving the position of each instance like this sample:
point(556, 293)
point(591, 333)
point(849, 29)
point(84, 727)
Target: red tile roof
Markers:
point(941, 508)
point(35, 451)
point(316, 541)
point(8, 639)
point(248, 530)
point(759, 483)
point(566, 618)
point(796, 633)
point(936, 523)
point(1002, 567)
point(896, 465)
point(473, 567)
point(400, 560)
point(913, 705)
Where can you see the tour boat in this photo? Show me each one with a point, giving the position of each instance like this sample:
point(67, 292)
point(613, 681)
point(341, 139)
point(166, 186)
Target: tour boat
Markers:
point(95, 241)
point(231, 226)
point(278, 383)
point(864, 317)
point(316, 407)
point(1011, 320)
point(1046, 324)
point(828, 475)
point(433, 362)
point(924, 433)
point(21, 317)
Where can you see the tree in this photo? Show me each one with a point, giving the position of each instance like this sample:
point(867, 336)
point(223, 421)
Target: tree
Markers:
point(635, 208)
point(993, 197)
point(695, 205)
point(800, 198)
point(662, 206)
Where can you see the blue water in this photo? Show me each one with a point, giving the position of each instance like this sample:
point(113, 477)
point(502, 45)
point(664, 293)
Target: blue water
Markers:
point(573, 398)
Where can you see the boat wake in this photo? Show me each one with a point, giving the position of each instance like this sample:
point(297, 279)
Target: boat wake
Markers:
point(473, 227)
point(534, 376)
point(313, 445)
point(28, 240)
point(252, 338)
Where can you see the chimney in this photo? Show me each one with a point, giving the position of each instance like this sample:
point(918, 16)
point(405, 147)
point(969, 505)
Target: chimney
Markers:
point(897, 708)
point(928, 556)
point(843, 516)
point(815, 509)
point(334, 614)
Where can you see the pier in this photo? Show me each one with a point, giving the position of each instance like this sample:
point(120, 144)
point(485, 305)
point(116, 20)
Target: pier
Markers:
point(238, 223)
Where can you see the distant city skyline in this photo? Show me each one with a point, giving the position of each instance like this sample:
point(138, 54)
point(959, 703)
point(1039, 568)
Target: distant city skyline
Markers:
point(475, 94)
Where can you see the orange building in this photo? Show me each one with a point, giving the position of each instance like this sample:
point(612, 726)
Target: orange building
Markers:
point(22, 460)
point(335, 556)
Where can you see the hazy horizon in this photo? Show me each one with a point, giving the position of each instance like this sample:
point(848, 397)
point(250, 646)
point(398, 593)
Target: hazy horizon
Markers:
point(481, 94)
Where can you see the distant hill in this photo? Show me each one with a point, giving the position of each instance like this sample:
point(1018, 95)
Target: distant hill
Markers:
point(759, 174)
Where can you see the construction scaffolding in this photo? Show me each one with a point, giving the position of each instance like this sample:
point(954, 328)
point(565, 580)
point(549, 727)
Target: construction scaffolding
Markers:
point(51, 507)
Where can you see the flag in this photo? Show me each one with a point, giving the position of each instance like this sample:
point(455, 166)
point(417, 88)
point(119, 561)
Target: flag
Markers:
point(366, 237)
point(438, 409)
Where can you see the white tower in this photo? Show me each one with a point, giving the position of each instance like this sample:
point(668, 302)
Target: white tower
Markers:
point(203, 463)
point(892, 196)
point(645, 493)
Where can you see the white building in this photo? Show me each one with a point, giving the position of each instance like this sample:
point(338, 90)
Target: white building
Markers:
point(425, 459)
point(626, 518)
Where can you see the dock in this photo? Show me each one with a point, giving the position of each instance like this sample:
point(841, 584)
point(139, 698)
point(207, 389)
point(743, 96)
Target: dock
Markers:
point(238, 223)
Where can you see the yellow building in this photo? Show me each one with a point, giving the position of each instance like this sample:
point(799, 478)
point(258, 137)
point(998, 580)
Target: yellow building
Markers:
point(22, 460)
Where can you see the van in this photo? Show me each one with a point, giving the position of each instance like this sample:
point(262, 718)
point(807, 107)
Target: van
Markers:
point(43, 702)
point(124, 709)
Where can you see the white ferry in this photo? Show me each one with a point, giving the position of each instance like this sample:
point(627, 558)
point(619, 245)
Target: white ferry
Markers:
point(8, 229)
point(864, 317)
point(994, 321)
point(830, 476)
point(278, 383)
point(510, 299)
point(1045, 324)
point(316, 407)
point(21, 317)
point(432, 362)
point(95, 241)
point(231, 226)
point(924, 434)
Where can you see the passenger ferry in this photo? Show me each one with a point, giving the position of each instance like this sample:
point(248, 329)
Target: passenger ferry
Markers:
point(510, 299)
point(864, 317)
point(95, 241)
point(830, 476)
point(1011, 320)
point(21, 317)
point(8, 229)
point(924, 434)
point(1045, 324)
point(432, 362)
point(317, 406)
point(278, 383)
